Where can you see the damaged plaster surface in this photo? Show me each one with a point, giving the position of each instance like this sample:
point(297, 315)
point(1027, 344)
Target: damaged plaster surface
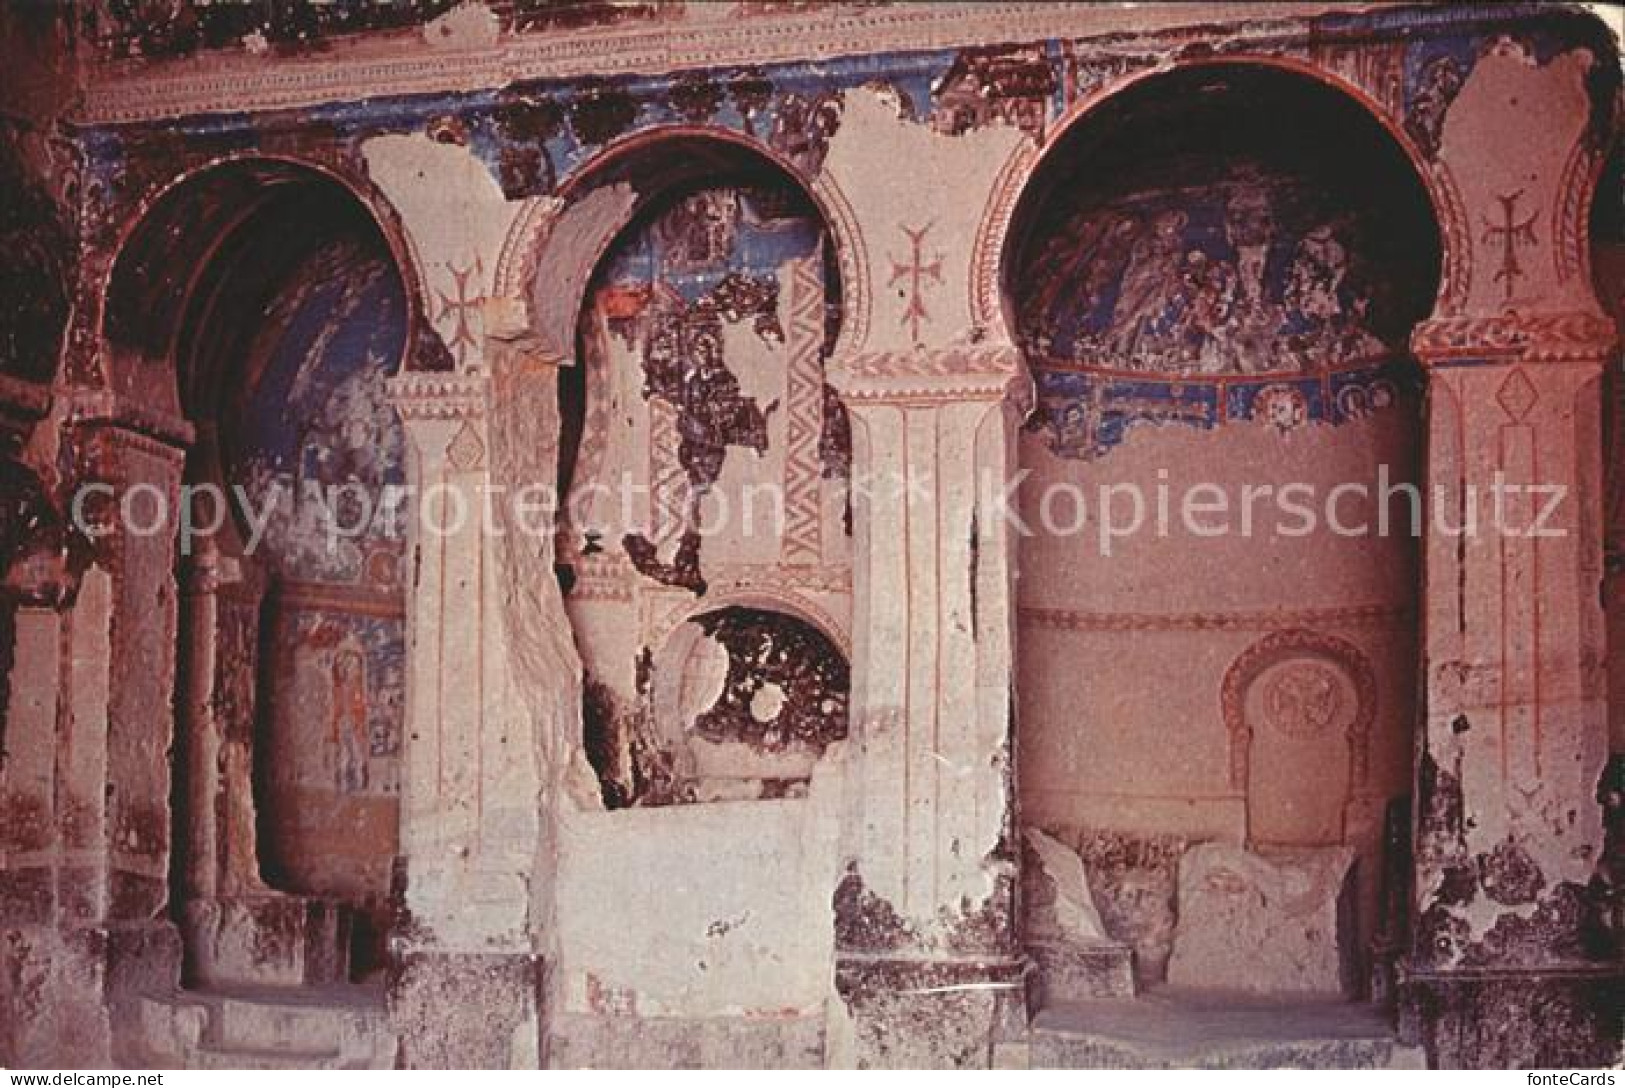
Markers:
point(837, 779)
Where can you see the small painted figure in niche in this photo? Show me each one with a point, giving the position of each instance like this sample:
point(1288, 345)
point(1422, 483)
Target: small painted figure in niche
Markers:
point(699, 231)
point(1318, 269)
point(1249, 226)
point(1151, 278)
point(348, 721)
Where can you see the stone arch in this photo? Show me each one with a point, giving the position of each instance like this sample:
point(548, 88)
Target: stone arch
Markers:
point(210, 274)
point(991, 252)
point(635, 579)
point(789, 601)
point(157, 230)
point(539, 231)
point(1209, 289)
point(677, 653)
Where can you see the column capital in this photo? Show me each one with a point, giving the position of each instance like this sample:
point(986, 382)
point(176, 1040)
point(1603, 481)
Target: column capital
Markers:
point(110, 412)
point(1581, 336)
point(439, 395)
point(962, 372)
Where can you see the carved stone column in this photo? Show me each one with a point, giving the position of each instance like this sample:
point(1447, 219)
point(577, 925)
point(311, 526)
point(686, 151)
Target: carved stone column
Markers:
point(1511, 961)
point(927, 959)
point(220, 654)
point(471, 808)
point(110, 716)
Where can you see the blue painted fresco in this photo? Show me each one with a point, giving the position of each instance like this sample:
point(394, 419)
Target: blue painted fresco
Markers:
point(313, 435)
point(703, 237)
point(1256, 273)
point(1083, 415)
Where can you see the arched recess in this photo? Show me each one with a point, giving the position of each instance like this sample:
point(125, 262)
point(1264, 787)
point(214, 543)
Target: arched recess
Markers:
point(1607, 260)
point(703, 290)
point(266, 302)
point(566, 234)
point(1213, 274)
point(994, 235)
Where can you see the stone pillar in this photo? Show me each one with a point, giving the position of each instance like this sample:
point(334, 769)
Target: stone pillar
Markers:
point(1512, 963)
point(466, 974)
point(99, 669)
point(219, 632)
point(928, 966)
point(143, 469)
point(198, 733)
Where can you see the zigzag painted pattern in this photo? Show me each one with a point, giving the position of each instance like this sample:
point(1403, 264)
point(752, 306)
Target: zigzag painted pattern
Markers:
point(669, 482)
point(804, 335)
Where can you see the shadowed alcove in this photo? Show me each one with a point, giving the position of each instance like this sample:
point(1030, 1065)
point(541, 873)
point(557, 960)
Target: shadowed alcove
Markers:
point(699, 395)
point(266, 297)
point(1213, 276)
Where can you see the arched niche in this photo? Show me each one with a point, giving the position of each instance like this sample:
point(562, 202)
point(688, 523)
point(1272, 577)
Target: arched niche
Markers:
point(702, 453)
point(266, 302)
point(1213, 274)
point(1607, 235)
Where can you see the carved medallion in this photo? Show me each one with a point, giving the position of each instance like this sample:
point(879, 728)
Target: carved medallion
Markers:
point(1302, 698)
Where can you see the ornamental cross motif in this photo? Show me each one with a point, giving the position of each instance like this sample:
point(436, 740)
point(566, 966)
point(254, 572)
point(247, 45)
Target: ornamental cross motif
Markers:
point(1510, 233)
point(918, 273)
point(461, 306)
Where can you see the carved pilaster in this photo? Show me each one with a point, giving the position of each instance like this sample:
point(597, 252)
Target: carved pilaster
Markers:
point(472, 804)
point(1507, 921)
point(929, 890)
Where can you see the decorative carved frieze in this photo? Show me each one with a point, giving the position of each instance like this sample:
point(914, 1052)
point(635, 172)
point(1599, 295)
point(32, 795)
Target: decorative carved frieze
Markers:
point(958, 372)
point(439, 396)
point(233, 81)
point(1535, 338)
point(1375, 616)
point(84, 407)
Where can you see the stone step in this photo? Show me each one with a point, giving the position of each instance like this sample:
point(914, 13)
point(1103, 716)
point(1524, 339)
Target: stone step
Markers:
point(172, 1024)
point(1169, 1029)
point(344, 1018)
point(1081, 970)
point(209, 1058)
point(315, 1027)
point(271, 940)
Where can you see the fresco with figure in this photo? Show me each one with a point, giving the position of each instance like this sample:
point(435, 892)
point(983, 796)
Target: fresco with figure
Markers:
point(704, 339)
point(312, 438)
point(1264, 285)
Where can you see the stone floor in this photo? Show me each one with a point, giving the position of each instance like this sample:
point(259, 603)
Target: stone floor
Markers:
point(1169, 1028)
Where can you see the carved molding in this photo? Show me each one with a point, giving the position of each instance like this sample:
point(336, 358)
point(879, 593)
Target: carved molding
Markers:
point(852, 258)
point(992, 234)
point(610, 577)
point(104, 408)
point(434, 395)
point(1376, 616)
point(781, 597)
point(1286, 645)
point(1578, 336)
point(959, 372)
point(516, 264)
point(364, 600)
point(399, 64)
point(1571, 249)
